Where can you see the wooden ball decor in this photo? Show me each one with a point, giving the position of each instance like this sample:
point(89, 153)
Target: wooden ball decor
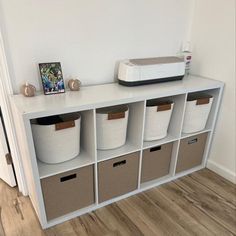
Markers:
point(74, 84)
point(28, 90)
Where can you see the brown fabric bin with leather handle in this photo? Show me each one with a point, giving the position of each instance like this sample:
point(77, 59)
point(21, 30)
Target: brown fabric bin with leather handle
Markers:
point(156, 162)
point(118, 176)
point(191, 152)
point(68, 192)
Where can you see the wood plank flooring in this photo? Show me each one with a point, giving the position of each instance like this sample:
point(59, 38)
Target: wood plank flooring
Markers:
point(202, 203)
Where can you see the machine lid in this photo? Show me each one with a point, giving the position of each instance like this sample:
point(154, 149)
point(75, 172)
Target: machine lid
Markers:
point(156, 60)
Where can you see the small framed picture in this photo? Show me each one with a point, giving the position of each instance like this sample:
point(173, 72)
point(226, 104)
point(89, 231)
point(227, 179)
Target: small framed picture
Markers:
point(52, 78)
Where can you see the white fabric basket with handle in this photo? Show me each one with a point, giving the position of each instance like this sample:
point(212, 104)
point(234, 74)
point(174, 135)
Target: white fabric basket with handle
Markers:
point(57, 138)
point(111, 126)
point(157, 119)
point(197, 110)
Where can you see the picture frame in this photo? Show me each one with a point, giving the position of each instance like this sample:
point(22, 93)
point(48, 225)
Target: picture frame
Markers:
point(52, 78)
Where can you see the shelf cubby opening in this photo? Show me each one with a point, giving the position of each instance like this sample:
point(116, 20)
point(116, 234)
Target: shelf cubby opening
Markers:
point(134, 134)
point(174, 127)
point(87, 149)
point(215, 93)
point(192, 151)
point(164, 161)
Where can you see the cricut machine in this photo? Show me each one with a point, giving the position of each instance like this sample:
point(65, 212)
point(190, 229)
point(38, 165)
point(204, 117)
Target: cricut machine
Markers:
point(150, 70)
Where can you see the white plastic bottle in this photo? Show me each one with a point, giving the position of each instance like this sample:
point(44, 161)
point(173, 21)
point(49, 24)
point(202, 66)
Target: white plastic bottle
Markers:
point(187, 54)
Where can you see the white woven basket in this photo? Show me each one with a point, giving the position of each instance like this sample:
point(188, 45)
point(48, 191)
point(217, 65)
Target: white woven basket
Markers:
point(157, 119)
point(196, 113)
point(56, 143)
point(112, 126)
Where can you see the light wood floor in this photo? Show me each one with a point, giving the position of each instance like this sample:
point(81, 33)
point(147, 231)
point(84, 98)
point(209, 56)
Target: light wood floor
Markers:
point(201, 204)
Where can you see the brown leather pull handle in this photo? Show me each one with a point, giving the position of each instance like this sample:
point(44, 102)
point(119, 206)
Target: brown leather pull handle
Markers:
point(202, 101)
point(64, 125)
point(114, 116)
point(164, 107)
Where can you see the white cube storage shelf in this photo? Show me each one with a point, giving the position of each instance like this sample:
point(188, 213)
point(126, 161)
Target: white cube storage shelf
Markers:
point(136, 156)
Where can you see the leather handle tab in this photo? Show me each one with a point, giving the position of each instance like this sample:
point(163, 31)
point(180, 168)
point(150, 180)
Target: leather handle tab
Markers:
point(65, 125)
point(114, 116)
point(164, 107)
point(202, 101)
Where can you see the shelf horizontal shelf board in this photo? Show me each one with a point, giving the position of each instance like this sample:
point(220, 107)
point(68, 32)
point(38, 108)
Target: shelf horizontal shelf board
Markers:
point(103, 155)
point(71, 215)
point(189, 171)
point(153, 183)
point(46, 170)
point(168, 139)
point(183, 135)
point(91, 97)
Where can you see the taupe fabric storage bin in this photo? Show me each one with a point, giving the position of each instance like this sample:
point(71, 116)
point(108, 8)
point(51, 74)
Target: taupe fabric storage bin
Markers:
point(191, 152)
point(118, 176)
point(68, 192)
point(156, 162)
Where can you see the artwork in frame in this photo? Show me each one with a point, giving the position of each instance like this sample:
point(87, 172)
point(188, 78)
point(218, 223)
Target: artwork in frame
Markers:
point(52, 78)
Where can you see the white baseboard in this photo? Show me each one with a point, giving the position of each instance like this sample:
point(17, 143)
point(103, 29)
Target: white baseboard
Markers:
point(222, 171)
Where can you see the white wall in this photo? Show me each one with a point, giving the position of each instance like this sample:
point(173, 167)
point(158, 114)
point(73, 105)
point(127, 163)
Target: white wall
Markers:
point(89, 36)
point(213, 38)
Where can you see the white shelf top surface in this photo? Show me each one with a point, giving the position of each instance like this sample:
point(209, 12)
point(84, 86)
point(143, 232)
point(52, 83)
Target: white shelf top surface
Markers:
point(90, 97)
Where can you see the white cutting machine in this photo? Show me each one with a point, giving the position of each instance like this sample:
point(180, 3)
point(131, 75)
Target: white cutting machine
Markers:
point(150, 70)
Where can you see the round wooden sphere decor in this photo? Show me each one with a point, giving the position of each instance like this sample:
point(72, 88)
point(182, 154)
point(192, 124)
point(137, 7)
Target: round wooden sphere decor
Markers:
point(74, 84)
point(28, 90)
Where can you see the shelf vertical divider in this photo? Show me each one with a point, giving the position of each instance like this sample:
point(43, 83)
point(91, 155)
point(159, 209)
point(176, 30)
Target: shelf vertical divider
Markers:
point(96, 158)
point(175, 150)
point(35, 190)
point(213, 121)
point(141, 152)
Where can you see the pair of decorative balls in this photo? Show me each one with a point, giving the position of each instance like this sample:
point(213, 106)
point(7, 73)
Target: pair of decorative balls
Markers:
point(28, 90)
